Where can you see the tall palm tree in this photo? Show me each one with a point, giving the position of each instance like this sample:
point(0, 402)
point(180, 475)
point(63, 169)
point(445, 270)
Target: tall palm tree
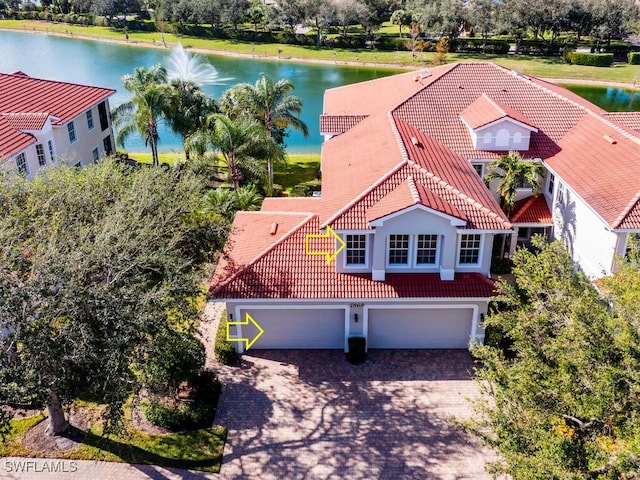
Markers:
point(513, 173)
point(190, 110)
point(151, 99)
point(241, 144)
point(271, 104)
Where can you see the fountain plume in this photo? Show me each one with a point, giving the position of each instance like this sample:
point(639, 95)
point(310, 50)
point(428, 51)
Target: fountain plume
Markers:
point(191, 67)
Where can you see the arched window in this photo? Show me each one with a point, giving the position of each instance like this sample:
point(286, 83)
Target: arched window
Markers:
point(502, 138)
point(517, 137)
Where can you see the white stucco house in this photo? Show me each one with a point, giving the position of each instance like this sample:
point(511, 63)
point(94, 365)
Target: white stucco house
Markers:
point(402, 187)
point(45, 121)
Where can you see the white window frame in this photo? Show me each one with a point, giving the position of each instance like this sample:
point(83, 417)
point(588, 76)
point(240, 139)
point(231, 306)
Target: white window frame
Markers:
point(561, 197)
point(436, 260)
point(388, 251)
point(90, 123)
point(42, 158)
point(366, 252)
point(480, 173)
point(21, 163)
point(71, 131)
point(95, 154)
point(52, 152)
point(459, 250)
point(550, 187)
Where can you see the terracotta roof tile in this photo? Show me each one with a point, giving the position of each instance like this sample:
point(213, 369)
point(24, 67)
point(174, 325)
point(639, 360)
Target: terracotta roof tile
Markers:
point(531, 210)
point(12, 141)
point(379, 95)
point(485, 111)
point(630, 120)
point(605, 174)
point(336, 124)
point(27, 121)
point(287, 272)
point(23, 101)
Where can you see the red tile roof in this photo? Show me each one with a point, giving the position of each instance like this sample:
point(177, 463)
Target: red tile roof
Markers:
point(12, 141)
point(630, 120)
point(27, 121)
point(21, 94)
point(285, 271)
point(531, 210)
point(605, 174)
point(410, 147)
point(335, 124)
point(485, 111)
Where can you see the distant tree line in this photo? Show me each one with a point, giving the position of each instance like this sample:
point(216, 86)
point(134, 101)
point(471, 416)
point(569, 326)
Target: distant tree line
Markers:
point(538, 19)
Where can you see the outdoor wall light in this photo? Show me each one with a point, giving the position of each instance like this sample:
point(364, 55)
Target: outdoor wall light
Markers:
point(231, 317)
point(482, 319)
point(355, 318)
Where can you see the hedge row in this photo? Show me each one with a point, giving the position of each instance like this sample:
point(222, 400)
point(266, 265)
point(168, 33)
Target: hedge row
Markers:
point(634, 58)
point(590, 59)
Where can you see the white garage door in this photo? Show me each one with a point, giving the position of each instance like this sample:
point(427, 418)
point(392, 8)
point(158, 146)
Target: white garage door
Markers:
point(310, 328)
point(419, 328)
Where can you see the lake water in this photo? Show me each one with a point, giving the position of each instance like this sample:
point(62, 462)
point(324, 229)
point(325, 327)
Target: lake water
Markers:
point(612, 99)
point(104, 64)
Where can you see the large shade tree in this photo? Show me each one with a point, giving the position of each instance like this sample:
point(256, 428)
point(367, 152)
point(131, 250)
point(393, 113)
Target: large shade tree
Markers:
point(269, 103)
point(561, 395)
point(151, 100)
point(92, 262)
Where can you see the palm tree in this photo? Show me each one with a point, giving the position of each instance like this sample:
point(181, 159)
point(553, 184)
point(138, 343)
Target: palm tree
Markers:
point(271, 104)
point(190, 110)
point(513, 173)
point(151, 99)
point(241, 143)
point(226, 202)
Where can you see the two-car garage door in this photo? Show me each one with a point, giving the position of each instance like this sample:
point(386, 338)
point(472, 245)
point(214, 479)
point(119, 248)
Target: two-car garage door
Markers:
point(387, 327)
point(419, 328)
point(300, 328)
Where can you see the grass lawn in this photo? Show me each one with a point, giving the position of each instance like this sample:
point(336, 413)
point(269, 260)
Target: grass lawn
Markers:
point(298, 169)
point(538, 66)
point(196, 450)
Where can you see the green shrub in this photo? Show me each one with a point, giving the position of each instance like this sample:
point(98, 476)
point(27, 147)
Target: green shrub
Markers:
point(634, 58)
point(198, 411)
point(306, 189)
point(224, 350)
point(591, 59)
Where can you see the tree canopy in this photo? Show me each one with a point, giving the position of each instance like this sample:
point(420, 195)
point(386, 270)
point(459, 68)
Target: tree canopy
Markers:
point(94, 263)
point(562, 396)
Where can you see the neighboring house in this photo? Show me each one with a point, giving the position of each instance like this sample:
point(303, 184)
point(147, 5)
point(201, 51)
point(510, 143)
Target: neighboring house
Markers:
point(402, 186)
point(42, 121)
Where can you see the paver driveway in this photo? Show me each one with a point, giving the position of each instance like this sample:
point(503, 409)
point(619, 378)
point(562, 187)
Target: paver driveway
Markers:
point(312, 415)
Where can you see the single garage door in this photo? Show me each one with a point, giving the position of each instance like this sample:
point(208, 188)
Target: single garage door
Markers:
point(304, 328)
point(419, 328)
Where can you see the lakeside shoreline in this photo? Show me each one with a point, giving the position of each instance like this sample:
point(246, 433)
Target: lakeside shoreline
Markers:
point(295, 59)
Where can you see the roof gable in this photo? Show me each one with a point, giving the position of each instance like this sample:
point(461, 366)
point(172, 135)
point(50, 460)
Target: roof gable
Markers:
point(408, 195)
point(486, 111)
